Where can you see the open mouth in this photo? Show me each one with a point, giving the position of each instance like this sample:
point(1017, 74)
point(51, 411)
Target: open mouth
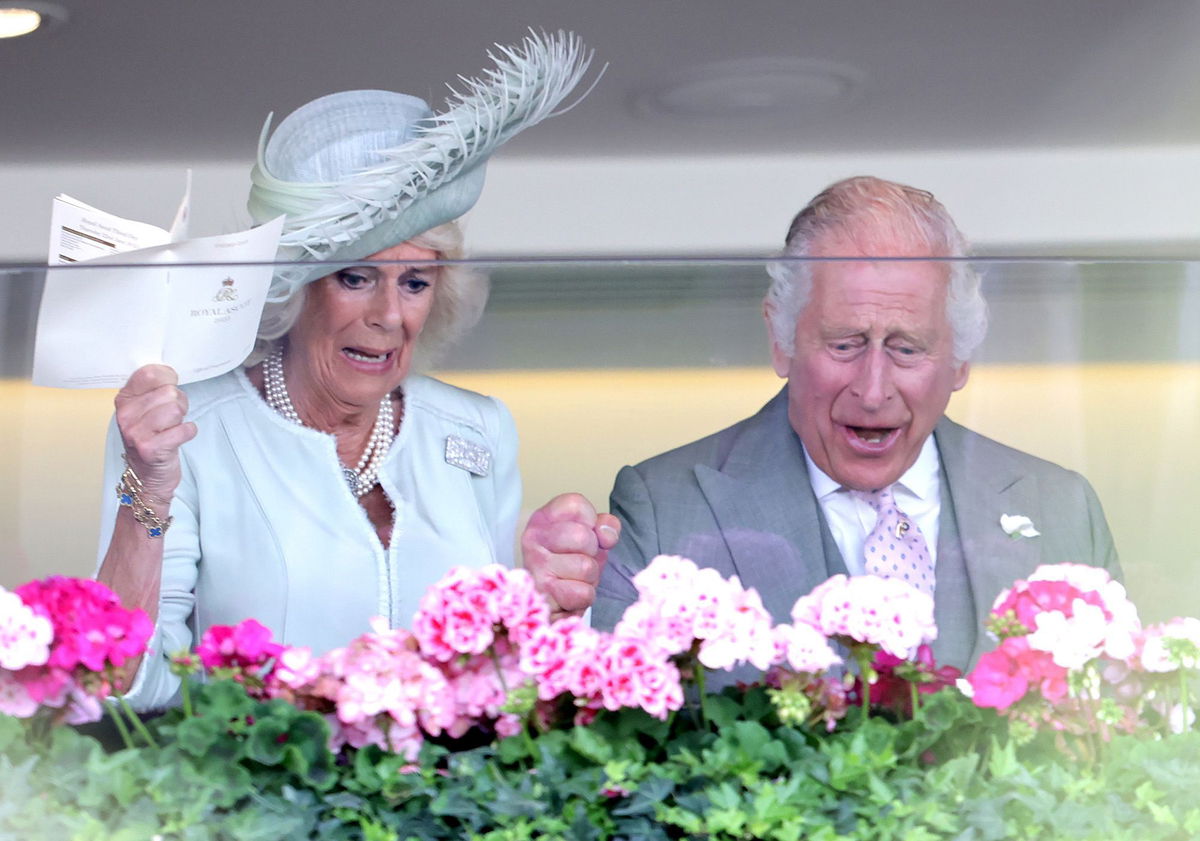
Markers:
point(359, 355)
point(872, 437)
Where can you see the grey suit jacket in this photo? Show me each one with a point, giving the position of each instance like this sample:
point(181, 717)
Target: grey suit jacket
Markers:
point(740, 501)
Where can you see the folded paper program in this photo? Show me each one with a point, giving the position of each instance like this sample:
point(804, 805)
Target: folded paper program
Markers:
point(145, 295)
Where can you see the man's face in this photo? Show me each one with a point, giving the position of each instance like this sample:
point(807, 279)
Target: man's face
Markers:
point(873, 368)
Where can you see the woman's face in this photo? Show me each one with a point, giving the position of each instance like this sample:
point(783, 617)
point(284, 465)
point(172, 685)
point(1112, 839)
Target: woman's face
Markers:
point(353, 342)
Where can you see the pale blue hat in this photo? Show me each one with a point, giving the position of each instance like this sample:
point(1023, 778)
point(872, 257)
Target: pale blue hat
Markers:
point(360, 171)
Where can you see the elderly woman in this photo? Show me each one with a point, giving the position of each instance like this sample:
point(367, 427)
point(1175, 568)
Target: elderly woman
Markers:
point(326, 483)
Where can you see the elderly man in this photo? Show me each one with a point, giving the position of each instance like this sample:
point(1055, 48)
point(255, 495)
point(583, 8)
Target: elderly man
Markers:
point(853, 467)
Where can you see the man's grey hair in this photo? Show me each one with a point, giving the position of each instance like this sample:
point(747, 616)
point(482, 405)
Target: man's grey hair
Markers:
point(459, 297)
point(877, 217)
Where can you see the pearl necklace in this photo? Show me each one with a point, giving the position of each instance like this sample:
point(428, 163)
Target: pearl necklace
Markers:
point(366, 475)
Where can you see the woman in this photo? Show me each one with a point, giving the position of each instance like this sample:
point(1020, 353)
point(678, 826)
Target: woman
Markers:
point(325, 483)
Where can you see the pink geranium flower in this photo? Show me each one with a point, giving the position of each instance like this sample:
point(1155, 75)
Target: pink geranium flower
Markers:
point(561, 658)
point(804, 649)
point(635, 673)
point(680, 604)
point(15, 698)
point(868, 609)
point(377, 690)
point(465, 611)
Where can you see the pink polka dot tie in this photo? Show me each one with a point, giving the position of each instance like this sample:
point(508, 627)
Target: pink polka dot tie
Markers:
point(895, 548)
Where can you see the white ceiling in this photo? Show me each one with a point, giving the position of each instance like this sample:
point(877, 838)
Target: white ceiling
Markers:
point(146, 80)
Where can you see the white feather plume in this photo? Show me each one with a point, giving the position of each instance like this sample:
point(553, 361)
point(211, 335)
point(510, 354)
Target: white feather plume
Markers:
point(526, 85)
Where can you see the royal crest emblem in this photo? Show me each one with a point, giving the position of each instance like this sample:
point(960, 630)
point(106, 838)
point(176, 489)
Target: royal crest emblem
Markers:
point(227, 292)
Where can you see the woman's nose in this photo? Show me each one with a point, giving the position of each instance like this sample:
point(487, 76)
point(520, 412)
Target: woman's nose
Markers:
point(386, 310)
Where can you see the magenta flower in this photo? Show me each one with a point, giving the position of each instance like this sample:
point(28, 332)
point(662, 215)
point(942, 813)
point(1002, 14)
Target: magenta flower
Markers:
point(896, 676)
point(90, 634)
point(998, 680)
point(245, 646)
point(91, 628)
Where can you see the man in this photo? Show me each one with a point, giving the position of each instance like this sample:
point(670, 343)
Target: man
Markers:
point(853, 467)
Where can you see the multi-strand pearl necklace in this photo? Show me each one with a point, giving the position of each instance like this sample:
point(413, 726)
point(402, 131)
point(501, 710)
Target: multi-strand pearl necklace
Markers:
point(366, 475)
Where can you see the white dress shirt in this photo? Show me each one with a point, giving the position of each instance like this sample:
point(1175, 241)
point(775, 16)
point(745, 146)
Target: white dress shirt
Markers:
point(917, 493)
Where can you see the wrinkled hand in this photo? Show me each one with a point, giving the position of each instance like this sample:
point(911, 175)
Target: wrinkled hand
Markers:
point(565, 546)
point(150, 416)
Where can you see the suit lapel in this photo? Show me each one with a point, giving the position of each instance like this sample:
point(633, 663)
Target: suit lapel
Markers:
point(766, 511)
point(983, 485)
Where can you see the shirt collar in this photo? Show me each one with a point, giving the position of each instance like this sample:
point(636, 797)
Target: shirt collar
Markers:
point(921, 480)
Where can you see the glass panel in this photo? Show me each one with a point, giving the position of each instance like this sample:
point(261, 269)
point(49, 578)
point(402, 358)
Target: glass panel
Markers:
point(1094, 365)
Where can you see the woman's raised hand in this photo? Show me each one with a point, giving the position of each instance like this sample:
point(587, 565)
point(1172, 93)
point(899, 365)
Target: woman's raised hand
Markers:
point(150, 416)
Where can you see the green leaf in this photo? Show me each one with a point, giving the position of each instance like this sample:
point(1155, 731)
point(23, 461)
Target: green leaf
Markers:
point(197, 736)
point(751, 736)
point(589, 744)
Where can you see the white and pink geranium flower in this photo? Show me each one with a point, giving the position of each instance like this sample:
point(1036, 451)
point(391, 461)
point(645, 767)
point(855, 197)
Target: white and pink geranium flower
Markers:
point(680, 604)
point(868, 609)
point(1070, 640)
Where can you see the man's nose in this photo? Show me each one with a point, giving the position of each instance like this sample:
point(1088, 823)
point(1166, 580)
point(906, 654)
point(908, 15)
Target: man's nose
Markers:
point(872, 384)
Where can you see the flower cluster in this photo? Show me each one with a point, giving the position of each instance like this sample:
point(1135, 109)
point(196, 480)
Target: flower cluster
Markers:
point(61, 642)
point(1073, 656)
point(899, 682)
point(469, 609)
point(869, 617)
point(1156, 681)
point(244, 653)
point(483, 654)
point(377, 690)
point(1052, 624)
point(598, 670)
point(679, 604)
point(883, 612)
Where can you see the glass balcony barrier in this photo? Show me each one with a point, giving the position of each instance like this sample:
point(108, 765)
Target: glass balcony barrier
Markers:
point(1091, 364)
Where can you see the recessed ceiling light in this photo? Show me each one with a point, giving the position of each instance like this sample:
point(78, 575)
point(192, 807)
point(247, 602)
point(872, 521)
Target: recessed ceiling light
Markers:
point(24, 17)
point(753, 87)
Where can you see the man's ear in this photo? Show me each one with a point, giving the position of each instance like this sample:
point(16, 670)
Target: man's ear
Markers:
point(961, 375)
point(780, 361)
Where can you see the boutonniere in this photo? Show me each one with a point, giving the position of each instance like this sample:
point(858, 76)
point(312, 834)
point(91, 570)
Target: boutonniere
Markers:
point(1016, 525)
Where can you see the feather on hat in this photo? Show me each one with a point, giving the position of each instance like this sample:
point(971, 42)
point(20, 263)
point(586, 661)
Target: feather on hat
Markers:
point(359, 171)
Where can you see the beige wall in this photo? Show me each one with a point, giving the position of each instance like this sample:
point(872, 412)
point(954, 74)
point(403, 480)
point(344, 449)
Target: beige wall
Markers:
point(1133, 430)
